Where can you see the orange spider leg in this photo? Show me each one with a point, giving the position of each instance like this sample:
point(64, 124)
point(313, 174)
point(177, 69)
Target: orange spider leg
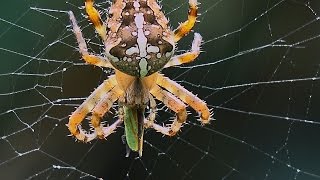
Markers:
point(188, 56)
point(103, 107)
point(95, 18)
point(80, 113)
point(186, 27)
point(174, 104)
point(89, 58)
point(186, 96)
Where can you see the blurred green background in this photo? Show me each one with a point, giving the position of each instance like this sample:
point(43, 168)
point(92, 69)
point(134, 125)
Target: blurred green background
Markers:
point(265, 127)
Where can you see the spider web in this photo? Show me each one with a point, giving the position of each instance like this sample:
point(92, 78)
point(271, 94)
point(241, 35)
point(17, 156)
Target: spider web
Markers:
point(259, 71)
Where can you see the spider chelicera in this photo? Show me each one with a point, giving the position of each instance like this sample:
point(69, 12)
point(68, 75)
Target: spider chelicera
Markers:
point(138, 44)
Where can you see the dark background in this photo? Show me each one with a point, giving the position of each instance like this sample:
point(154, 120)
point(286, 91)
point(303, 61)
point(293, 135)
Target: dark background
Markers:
point(258, 71)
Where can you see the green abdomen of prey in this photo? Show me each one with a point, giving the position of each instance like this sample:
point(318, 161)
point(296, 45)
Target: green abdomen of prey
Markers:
point(134, 127)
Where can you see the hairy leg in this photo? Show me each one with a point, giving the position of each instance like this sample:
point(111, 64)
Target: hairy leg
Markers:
point(110, 129)
point(102, 107)
point(188, 56)
point(186, 27)
point(186, 96)
point(80, 113)
point(174, 104)
point(89, 58)
point(95, 18)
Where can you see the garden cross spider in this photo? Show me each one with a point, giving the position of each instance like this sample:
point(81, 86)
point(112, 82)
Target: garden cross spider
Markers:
point(138, 44)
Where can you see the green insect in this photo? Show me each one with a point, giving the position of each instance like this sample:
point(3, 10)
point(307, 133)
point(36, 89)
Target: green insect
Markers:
point(134, 128)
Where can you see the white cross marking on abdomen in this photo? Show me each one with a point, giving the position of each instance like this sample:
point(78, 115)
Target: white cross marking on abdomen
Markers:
point(142, 40)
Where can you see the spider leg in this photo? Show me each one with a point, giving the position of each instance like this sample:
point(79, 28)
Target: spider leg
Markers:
point(106, 131)
point(186, 96)
point(110, 129)
point(80, 113)
point(102, 107)
point(148, 122)
point(89, 58)
point(174, 104)
point(188, 56)
point(186, 27)
point(95, 18)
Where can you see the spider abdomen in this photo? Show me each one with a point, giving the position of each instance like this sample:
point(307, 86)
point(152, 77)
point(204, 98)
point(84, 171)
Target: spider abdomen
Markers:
point(142, 43)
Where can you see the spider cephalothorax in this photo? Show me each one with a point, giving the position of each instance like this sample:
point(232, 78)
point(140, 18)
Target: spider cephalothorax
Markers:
point(138, 44)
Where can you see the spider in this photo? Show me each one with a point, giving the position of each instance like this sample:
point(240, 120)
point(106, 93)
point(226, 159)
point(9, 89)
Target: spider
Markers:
point(138, 45)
